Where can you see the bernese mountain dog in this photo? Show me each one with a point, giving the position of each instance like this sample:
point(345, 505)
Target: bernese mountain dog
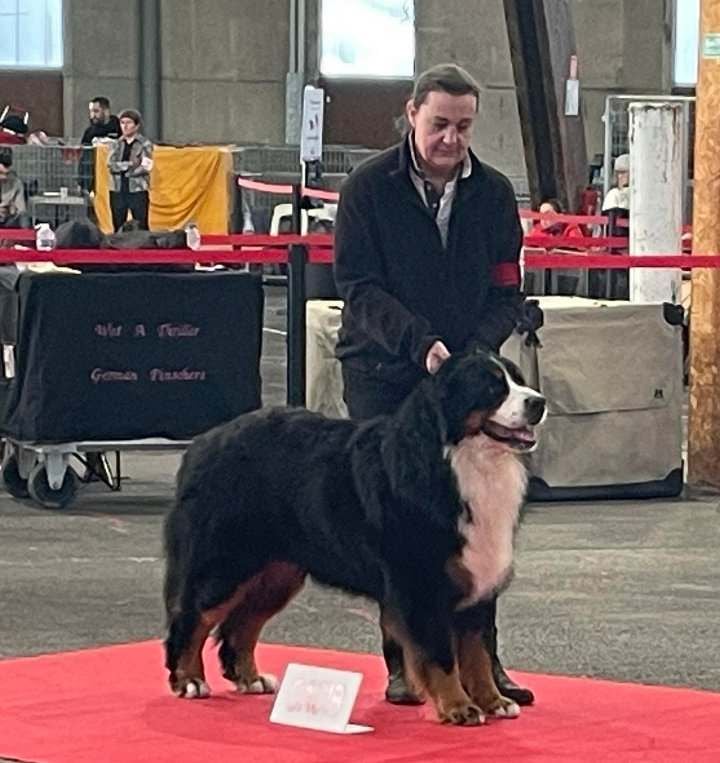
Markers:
point(417, 511)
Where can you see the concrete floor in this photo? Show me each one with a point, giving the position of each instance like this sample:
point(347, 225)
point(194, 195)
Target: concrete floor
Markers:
point(621, 590)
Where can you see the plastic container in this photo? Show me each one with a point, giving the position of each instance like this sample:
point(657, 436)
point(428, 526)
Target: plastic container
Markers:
point(192, 236)
point(44, 238)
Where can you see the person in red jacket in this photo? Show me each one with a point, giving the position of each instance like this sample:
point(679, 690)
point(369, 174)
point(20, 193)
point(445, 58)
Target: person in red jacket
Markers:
point(549, 227)
point(563, 282)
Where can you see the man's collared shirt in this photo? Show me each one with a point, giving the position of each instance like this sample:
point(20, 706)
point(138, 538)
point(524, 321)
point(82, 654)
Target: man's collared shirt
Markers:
point(439, 204)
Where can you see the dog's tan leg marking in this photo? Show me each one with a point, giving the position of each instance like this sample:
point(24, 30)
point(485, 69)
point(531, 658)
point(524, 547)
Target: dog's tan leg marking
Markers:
point(268, 594)
point(477, 678)
point(452, 703)
point(188, 680)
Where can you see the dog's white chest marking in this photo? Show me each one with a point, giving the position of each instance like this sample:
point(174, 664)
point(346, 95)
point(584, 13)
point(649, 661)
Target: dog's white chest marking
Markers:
point(492, 484)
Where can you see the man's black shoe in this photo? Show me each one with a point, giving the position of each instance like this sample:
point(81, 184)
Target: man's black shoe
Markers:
point(508, 688)
point(398, 692)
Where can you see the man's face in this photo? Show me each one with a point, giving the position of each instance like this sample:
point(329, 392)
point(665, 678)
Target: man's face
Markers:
point(128, 127)
point(443, 127)
point(98, 115)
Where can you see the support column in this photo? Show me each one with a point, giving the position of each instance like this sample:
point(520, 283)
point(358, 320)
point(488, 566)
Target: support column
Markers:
point(704, 429)
point(149, 74)
point(544, 56)
point(295, 77)
point(656, 181)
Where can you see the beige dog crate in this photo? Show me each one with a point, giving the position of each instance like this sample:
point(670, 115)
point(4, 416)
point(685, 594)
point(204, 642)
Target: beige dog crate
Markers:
point(612, 374)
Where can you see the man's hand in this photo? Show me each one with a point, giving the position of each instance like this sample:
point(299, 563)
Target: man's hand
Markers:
point(436, 356)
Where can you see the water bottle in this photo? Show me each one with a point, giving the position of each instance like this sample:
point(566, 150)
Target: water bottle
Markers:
point(192, 236)
point(44, 238)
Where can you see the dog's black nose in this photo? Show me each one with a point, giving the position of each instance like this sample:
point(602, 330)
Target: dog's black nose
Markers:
point(534, 409)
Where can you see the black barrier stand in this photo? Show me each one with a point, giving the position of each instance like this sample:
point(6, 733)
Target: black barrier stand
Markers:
point(296, 308)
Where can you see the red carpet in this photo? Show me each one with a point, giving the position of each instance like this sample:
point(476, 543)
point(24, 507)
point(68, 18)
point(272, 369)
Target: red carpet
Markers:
point(111, 704)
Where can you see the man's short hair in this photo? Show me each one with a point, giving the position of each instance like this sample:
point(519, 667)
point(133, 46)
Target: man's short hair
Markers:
point(101, 101)
point(6, 157)
point(131, 114)
point(448, 78)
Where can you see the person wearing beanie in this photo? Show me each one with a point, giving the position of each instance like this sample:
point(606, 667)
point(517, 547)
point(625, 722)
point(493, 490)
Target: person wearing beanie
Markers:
point(130, 164)
point(618, 197)
point(616, 206)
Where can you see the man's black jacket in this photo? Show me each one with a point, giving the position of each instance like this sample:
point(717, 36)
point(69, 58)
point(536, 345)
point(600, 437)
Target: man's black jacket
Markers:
point(109, 129)
point(402, 290)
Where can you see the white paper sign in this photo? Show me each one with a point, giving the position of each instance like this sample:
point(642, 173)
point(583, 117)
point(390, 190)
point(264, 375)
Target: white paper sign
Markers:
point(312, 123)
point(572, 98)
point(317, 698)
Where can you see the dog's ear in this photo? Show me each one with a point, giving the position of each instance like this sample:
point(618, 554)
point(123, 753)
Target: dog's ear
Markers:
point(412, 448)
point(471, 385)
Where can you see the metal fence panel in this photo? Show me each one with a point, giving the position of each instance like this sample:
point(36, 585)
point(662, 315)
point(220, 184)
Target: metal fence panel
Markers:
point(57, 180)
point(617, 126)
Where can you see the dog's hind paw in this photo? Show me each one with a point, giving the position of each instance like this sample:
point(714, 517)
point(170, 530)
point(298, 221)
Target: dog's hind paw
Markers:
point(192, 688)
point(265, 683)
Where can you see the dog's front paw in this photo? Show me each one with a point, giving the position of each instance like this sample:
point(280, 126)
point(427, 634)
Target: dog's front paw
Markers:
point(261, 684)
point(190, 688)
point(502, 707)
point(463, 713)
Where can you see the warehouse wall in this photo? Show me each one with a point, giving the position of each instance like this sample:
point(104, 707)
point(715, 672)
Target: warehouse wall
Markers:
point(224, 62)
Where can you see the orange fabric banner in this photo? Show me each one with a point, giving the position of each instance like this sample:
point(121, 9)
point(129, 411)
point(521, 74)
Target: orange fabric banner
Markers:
point(189, 183)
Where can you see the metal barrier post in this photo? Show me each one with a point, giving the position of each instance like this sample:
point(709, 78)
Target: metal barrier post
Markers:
point(296, 309)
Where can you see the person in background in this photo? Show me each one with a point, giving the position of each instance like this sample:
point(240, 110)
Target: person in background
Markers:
point(427, 247)
point(38, 138)
point(130, 163)
point(13, 127)
point(618, 197)
point(549, 227)
point(13, 209)
point(616, 205)
point(560, 281)
point(103, 126)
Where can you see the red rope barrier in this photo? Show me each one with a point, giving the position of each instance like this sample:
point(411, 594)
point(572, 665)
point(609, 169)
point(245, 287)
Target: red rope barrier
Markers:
point(285, 190)
point(541, 241)
point(334, 196)
point(530, 214)
point(258, 185)
point(146, 256)
point(324, 239)
point(581, 261)
point(253, 239)
point(277, 252)
point(319, 193)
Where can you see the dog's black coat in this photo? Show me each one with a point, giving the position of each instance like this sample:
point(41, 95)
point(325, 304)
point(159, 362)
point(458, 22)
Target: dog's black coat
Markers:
point(368, 507)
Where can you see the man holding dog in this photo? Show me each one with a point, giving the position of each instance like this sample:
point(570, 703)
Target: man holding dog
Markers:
point(427, 249)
